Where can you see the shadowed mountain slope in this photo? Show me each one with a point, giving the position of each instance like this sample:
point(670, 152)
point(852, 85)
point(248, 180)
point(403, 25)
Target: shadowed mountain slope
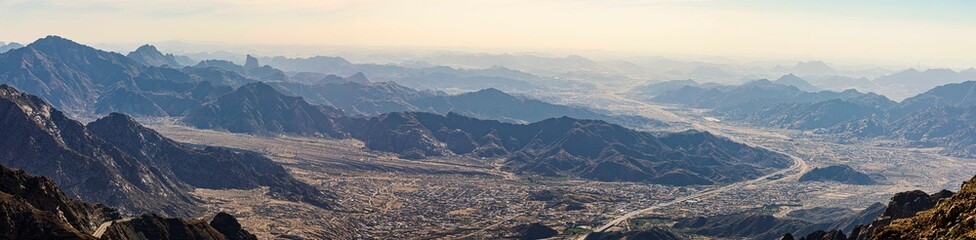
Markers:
point(571, 147)
point(116, 161)
point(34, 208)
point(258, 108)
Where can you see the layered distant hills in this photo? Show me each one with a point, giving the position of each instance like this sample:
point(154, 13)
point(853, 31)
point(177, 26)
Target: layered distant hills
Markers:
point(437, 77)
point(84, 80)
point(116, 161)
point(941, 116)
point(4, 47)
point(563, 146)
point(376, 98)
point(533, 137)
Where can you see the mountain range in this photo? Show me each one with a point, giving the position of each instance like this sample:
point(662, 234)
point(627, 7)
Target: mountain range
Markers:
point(383, 97)
point(83, 80)
point(80, 79)
point(563, 146)
point(428, 77)
point(117, 162)
point(4, 47)
point(942, 116)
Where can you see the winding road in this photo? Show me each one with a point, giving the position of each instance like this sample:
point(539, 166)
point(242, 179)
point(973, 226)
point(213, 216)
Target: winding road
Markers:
point(799, 166)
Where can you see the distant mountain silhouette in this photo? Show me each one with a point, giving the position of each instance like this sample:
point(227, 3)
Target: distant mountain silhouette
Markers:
point(253, 71)
point(35, 208)
point(793, 80)
point(650, 90)
point(377, 98)
point(812, 68)
point(251, 63)
point(5, 47)
point(927, 79)
point(840, 83)
point(355, 98)
point(942, 116)
point(756, 95)
point(418, 78)
point(494, 104)
point(148, 55)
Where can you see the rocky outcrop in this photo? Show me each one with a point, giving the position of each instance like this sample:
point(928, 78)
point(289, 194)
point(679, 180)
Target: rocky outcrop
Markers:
point(150, 56)
point(917, 215)
point(534, 231)
point(34, 208)
point(838, 173)
point(228, 225)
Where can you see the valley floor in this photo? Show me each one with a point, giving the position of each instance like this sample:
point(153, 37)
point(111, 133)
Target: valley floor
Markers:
point(381, 196)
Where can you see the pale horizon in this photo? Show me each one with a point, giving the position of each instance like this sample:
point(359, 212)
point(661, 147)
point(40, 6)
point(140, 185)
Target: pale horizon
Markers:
point(905, 32)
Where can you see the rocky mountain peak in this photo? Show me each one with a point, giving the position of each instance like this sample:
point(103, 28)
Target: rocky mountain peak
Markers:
point(251, 62)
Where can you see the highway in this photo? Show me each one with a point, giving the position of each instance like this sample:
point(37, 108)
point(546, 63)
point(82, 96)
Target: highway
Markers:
point(799, 166)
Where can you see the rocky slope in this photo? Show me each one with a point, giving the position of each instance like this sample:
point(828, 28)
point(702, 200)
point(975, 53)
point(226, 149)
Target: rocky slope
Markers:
point(71, 155)
point(34, 208)
point(65, 73)
point(81, 79)
point(205, 167)
point(913, 215)
point(258, 108)
point(116, 161)
point(758, 224)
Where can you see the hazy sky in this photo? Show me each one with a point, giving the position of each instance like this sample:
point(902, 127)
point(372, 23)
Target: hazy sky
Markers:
point(869, 29)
